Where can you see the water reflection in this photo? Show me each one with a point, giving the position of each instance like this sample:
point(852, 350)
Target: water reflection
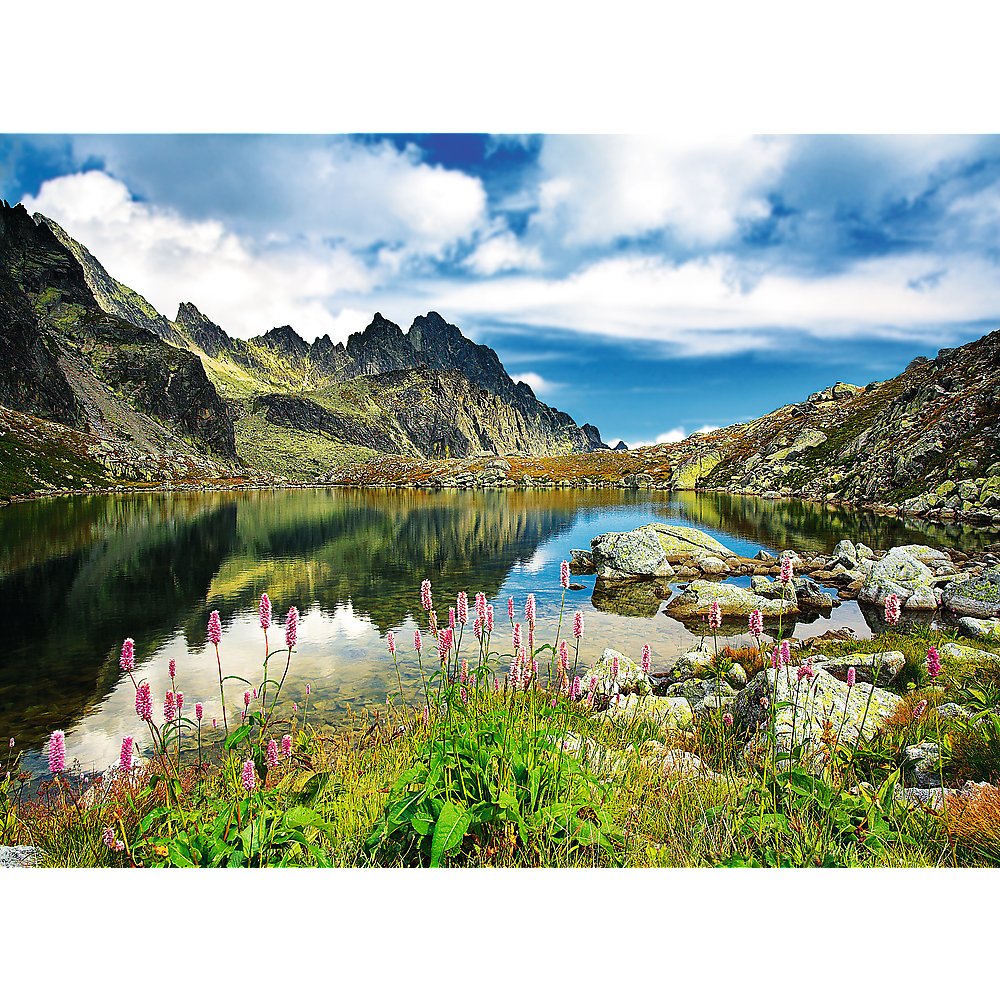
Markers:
point(79, 574)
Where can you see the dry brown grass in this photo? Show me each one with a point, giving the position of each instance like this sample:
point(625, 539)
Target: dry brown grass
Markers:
point(974, 821)
point(750, 658)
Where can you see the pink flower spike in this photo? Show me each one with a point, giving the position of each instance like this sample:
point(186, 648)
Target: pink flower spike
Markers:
point(264, 611)
point(215, 723)
point(786, 653)
point(451, 619)
point(806, 669)
point(563, 655)
point(57, 751)
point(426, 716)
point(126, 758)
point(12, 743)
point(180, 701)
point(127, 659)
point(510, 608)
point(169, 712)
point(464, 672)
point(578, 625)
point(496, 684)
point(478, 629)
point(199, 710)
point(529, 611)
point(172, 669)
point(291, 627)
point(851, 676)
point(465, 697)
point(919, 710)
point(756, 624)
point(272, 753)
point(892, 609)
point(418, 643)
point(614, 667)
point(481, 606)
point(577, 689)
point(309, 690)
point(647, 659)
point(517, 641)
point(444, 642)
point(249, 775)
point(390, 640)
point(144, 702)
point(933, 662)
point(214, 628)
point(433, 618)
point(727, 719)
point(489, 619)
point(786, 569)
point(463, 608)
point(286, 745)
point(715, 616)
point(426, 601)
point(108, 836)
point(564, 574)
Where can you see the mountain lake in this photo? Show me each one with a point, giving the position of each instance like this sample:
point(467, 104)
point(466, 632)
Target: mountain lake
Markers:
point(79, 574)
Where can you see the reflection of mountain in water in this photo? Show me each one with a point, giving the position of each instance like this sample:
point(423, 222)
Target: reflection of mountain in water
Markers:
point(143, 566)
point(68, 612)
point(372, 548)
point(800, 525)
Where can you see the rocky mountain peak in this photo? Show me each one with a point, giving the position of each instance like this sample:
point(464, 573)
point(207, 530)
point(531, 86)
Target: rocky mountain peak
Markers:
point(201, 331)
point(283, 340)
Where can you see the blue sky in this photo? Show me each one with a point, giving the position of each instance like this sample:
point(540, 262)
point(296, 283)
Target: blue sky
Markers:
point(651, 285)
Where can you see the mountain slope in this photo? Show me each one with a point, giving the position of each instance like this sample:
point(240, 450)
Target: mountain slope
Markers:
point(148, 407)
point(299, 408)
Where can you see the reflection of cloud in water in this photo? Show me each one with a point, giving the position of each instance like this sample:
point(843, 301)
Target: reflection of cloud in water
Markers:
point(345, 622)
point(537, 562)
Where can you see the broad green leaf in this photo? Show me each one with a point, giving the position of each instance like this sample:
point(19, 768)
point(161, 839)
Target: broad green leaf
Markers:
point(236, 736)
point(449, 830)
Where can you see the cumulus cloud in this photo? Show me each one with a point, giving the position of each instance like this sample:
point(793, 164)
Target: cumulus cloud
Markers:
point(596, 189)
point(169, 259)
point(502, 252)
point(281, 188)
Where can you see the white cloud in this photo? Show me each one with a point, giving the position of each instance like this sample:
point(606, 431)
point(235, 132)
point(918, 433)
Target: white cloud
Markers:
point(169, 259)
point(595, 189)
point(502, 252)
point(672, 436)
point(539, 386)
point(702, 308)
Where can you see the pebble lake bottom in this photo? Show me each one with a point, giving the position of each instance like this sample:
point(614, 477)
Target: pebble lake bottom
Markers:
point(80, 574)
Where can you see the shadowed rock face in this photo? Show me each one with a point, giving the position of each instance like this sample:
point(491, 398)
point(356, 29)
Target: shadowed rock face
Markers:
point(67, 360)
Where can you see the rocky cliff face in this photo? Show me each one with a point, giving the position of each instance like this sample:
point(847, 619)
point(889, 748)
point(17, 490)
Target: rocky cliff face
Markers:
point(925, 440)
point(146, 405)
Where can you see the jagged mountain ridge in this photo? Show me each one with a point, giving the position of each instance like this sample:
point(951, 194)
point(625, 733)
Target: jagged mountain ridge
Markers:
point(298, 407)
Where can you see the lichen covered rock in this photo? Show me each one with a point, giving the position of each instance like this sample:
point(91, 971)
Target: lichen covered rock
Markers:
point(697, 600)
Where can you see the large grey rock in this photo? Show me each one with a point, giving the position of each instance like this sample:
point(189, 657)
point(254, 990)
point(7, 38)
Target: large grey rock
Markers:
point(697, 600)
point(977, 597)
point(665, 713)
point(681, 541)
point(899, 573)
point(581, 562)
point(628, 679)
point(809, 703)
point(844, 552)
point(925, 554)
point(694, 662)
point(773, 589)
point(713, 566)
point(674, 763)
point(632, 554)
point(887, 665)
point(809, 594)
point(952, 652)
point(977, 628)
point(19, 856)
point(923, 599)
point(620, 555)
